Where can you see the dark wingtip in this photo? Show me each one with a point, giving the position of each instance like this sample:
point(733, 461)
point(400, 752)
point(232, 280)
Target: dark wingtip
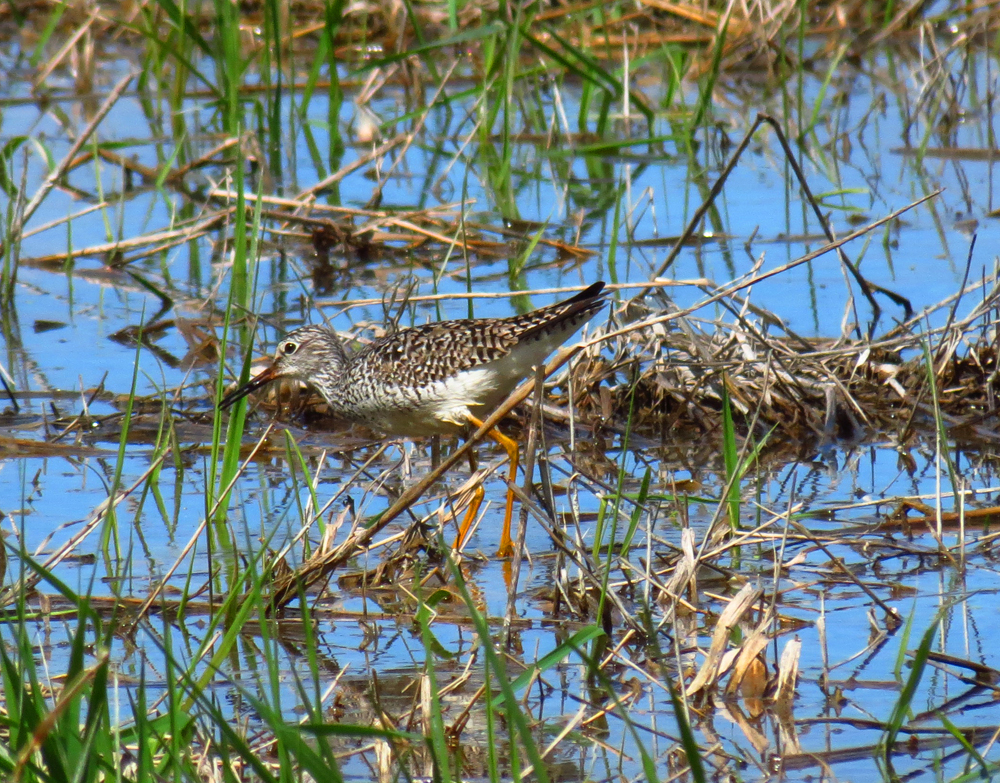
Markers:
point(592, 291)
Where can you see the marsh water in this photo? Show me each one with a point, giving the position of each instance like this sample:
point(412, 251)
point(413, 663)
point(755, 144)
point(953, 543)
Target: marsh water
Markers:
point(73, 352)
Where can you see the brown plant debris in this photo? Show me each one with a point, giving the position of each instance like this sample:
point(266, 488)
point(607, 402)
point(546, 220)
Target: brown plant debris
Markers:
point(672, 375)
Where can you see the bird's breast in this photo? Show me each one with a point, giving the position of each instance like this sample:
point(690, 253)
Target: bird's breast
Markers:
point(434, 408)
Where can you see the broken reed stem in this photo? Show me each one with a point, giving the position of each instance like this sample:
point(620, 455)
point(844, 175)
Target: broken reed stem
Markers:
point(362, 161)
point(60, 170)
point(739, 285)
point(166, 239)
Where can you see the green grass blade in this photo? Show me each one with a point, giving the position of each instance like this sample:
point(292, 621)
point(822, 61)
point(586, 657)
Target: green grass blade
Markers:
point(901, 710)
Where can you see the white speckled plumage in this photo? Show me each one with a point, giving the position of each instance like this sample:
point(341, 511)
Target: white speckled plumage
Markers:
point(427, 379)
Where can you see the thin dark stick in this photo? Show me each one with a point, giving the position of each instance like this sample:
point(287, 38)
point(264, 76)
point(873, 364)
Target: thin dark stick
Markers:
point(867, 287)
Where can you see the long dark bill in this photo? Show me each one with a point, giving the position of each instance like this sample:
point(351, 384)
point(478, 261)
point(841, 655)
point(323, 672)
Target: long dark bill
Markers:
point(250, 386)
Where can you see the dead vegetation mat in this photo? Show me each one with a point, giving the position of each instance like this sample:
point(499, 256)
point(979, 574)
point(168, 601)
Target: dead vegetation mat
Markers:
point(676, 375)
point(760, 36)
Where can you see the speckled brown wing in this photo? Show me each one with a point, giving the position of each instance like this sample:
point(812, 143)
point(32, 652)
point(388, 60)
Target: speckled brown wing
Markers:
point(427, 354)
point(423, 355)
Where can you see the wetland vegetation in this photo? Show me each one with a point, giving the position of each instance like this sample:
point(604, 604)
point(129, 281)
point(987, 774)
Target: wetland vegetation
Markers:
point(754, 520)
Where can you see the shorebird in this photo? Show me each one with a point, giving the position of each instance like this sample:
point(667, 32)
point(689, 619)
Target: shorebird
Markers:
point(432, 379)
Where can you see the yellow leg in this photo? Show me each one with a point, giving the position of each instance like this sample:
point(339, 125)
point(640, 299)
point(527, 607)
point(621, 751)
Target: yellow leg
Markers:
point(470, 517)
point(510, 446)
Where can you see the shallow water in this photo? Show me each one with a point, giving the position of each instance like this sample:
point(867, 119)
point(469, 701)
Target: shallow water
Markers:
point(59, 344)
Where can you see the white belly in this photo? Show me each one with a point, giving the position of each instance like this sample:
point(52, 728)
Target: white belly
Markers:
point(442, 407)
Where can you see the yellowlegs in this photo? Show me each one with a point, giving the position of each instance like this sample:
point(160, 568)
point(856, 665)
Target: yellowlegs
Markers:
point(430, 379)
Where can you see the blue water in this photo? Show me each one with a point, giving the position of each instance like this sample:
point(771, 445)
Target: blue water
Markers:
point(849, 160)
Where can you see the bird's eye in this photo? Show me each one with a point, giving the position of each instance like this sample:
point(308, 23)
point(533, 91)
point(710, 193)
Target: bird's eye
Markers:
point(289, 348)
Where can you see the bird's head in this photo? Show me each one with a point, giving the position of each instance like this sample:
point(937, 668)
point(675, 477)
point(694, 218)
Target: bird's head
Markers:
point(311, 354)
